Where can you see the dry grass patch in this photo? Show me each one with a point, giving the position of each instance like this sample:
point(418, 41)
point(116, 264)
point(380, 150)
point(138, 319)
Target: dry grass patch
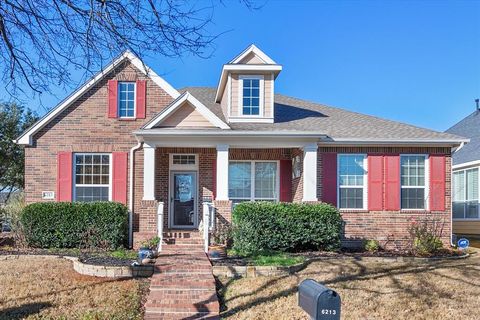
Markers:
point(49, 288)
point(369, 290)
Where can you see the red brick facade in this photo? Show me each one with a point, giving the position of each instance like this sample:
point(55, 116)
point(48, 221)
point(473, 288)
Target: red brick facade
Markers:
point(85, 127)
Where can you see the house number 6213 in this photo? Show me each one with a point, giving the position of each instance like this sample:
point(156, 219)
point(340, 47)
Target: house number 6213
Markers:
point(329, 311)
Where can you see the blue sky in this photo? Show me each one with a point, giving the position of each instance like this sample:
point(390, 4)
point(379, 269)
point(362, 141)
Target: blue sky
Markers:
point(410, 61)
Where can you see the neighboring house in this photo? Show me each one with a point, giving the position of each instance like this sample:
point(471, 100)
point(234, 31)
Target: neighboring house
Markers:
point(465, 190)
point(129, 136)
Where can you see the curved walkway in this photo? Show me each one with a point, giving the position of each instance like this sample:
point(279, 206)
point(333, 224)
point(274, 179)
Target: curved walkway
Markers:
point(183, 286)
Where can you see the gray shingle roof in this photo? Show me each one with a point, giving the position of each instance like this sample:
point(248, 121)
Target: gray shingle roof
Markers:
point(292, 114)
point(468, 127)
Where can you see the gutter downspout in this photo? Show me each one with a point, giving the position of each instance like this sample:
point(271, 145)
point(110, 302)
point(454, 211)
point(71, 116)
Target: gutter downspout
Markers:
point(451, 198)
point(130, 194)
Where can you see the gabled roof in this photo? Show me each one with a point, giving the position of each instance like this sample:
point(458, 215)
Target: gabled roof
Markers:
point(255, 50)
point(468, 127)
point(180, 101)
point(341, 126)
point(26, 137)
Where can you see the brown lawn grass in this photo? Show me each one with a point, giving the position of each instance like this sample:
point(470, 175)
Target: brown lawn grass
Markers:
point(369, 290)
point(49, 288)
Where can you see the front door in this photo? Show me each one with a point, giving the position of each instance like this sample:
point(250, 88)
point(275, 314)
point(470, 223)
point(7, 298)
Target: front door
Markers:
point(183, 196)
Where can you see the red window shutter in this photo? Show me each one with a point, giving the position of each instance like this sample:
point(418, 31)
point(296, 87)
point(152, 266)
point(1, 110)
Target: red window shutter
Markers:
point(329, 178)
point(375, 182)
point(64, 176)
point(141, 96)
point(392, 182)
point(112, 98)
point(214, 179)
point(437, 182)
point(286, 180)
point(119, 179)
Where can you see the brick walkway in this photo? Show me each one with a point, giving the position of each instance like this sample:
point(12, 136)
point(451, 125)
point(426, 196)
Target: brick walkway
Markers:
point(183, 286)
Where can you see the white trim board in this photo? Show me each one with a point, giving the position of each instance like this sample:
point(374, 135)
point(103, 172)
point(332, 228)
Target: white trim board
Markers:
point(26, 137)
point(474, 163)
point(200, 107)
point(253, 49)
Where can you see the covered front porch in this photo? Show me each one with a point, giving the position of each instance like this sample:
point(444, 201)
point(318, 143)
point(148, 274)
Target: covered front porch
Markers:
point(197, 181)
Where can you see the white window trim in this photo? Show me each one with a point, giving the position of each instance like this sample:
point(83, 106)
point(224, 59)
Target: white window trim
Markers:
point(261, 98)
point(478, 196)
point(365, 181)
point(110, 177)
point(134, 100)
point(252, 179)
point(427, 181)
point(183, 167)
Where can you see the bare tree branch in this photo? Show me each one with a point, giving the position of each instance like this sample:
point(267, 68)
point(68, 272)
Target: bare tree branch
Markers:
point(42, 40)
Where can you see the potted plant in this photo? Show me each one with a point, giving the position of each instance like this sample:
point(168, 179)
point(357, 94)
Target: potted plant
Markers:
point(218, 249)
point(148, 250)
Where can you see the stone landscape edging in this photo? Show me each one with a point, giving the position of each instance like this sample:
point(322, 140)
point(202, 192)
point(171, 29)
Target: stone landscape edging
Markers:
point(271, 271)
point(95, 270)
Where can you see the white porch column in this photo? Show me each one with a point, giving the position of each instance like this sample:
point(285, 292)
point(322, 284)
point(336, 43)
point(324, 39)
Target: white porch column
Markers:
point(148, 172)
point(310, 172)
point(222, 172)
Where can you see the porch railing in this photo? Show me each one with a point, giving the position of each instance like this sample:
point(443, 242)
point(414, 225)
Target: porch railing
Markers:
point(160, 225)
point(208, 223)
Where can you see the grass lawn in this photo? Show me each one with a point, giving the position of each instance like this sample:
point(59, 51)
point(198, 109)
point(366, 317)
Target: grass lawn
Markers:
point(268, 258)
point(369, 290)
point(49, 288)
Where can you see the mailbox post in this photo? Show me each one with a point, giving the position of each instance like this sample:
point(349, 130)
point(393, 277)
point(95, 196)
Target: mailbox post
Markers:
point(318, 301)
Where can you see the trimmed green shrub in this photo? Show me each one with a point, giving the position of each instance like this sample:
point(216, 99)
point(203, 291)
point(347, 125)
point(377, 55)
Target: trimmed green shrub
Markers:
point(75, 225)
point(371, 245)
point(265, 226)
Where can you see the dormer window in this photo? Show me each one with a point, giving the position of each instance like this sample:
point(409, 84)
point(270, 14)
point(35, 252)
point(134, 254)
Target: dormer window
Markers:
point(126, 99)
point(251, 95)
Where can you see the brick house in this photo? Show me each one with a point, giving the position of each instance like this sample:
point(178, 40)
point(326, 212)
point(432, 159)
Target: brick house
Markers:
point(129, 136)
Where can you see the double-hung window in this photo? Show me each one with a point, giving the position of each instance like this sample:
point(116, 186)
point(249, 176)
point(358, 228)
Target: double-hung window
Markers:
point(251, 95)
point(126, 99)
point(92, 177)
point(413, 181)
point(465, 194)
point(352, 181)
point(253, 180)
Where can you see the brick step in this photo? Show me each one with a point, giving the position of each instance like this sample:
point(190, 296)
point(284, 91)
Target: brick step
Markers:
point(183, 242)
point(191, 281)
point(185, 266)
point(180, 250)
point(182, 234)
point(174, 296)
point(180, 306)
point(180, 272)
point(182, 286)
point(179, 315)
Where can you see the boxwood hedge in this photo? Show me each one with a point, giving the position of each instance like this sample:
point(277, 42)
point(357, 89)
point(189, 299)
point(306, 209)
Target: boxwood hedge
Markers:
point(75, 225)
point(260, 226)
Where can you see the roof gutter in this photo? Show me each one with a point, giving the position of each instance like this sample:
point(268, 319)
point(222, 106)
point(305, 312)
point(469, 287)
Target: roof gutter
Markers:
point(373, 141)
point(230, 133)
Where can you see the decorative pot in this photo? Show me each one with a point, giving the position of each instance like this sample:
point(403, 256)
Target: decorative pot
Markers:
point(144, 253)
point(217, 252)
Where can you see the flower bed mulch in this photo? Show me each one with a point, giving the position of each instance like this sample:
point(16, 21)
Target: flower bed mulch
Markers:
point(345, 253)
point(88, 257)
